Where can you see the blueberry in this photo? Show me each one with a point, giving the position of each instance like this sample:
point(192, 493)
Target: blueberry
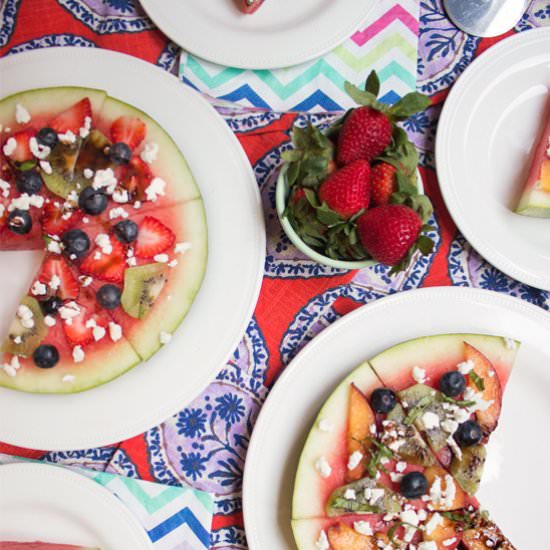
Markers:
point(120, 153)
point(20, 222)
point(108, 296)
point(469, 433)
point(47, 136)
point(45, 356)
point(126, 231)
point(413, 485)
point(51, 305)
point(383, 400)
point(75, 242)
point(28, 182)
point(452, 383)
point(92, 201)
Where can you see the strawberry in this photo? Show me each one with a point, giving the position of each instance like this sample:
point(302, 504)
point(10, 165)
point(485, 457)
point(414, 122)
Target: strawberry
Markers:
point(73, 118)
point(53, 221)
point(79, 331)
point(365, 134)
point(22, 151)
point(347, 190)
point(129, 130)
point(56, 267)
point(298, 195)
point(135, 177)
point(388, 232)
point(153, 238)
point(106, 267)
point(382, 183)
point(249, 6)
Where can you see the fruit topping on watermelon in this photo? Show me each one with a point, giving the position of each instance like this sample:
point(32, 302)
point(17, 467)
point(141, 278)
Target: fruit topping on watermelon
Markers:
point(73, 119)
point(129, 131)
point(106, 260)
point(17, 147)
point(153, 238)
point(56, 279)
point(56, 219)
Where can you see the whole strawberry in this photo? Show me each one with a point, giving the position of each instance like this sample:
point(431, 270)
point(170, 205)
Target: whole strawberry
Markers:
point(382, 183)
point(365, 134)
point(347, 190)
point(388, 232)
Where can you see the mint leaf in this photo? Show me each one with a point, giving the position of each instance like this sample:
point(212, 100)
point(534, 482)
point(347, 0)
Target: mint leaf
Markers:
point(477, 380)
point(372, 84)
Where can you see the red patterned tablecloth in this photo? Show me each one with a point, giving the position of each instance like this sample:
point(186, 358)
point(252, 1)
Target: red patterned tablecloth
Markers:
point(205, 444)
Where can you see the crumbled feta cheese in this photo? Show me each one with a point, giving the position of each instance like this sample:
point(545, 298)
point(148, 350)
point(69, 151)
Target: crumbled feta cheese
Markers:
point(449, 542)
point(173, 263)
point(115, 332)
point(401, 466)
point(450, 492)
point(105, 179)
point(2, 210)
point(149, 153)
point(10, 146)
point(480, 404)
point(24, 312)
point(363, 528)
point(49, 321)
point(117, 212)
point(433, 522)
point(39, 289)
point(17, 339)
point(9, 370)
point(410, 517)
point(86, 219)
point(78, 354)
point(354, 459)
point(46, 167)
point(85, 130)
point(322, 542)
point(419, 374)
point(68, 137)
point(54, 246)
point(25, 201)
point(68, 311)
point(5, 187)
point(55, 282)
point(104, 243)
point(161, 258)
point(121, 196)
point(38, 150)
point(510, 343)
point(85, 280)
point(323, 467)
point(430, 420)
point(97, 255)
point(374, 495)
point(7, 129)
point(181, 248)
point(155, 189)
point(396, 478)
point(137, 205)
point(88, 173)
point(325, 425)
point(350, 494)
point(465, 367)
point(68, 378)
point(22, 116)
point(131, 261)
point(165, 337)
point(449, 426)
point(457, 451)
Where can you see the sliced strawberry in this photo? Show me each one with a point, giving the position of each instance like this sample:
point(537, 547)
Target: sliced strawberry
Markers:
point(73, 118)
point(56, 267)
point(106, 267)
point(129, 130)
point(135, 177)
point(22, 151)
point(56, 220)
point(153, 238)
point(79, 331)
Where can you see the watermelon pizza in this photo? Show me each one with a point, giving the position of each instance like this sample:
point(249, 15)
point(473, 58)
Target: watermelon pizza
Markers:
point(104, 191)
point(396, 454)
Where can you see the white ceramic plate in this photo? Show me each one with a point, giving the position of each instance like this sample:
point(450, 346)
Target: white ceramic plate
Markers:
point(489, 124)
point(281, 33)
point(154, 390)
point(514, 494)
point(52, 504)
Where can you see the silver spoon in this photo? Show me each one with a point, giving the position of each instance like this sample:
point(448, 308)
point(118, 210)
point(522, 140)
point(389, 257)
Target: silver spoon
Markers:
point(485, 17)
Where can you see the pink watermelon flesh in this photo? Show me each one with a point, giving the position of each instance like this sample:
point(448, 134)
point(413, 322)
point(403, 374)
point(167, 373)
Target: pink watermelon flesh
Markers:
point(41, 546)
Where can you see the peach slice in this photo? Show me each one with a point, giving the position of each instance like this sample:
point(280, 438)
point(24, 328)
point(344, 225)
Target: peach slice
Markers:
point(545, 175)
point(443, 534)
point(459, 501)
point(488, 419)
point(360, 419)
point(344, 537)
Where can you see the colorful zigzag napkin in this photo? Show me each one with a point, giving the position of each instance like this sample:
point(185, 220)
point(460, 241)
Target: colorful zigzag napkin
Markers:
point(388, 42)
point(175, 518)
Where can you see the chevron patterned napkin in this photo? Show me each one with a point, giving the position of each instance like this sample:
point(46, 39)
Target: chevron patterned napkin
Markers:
point(175, 518)
point(388, 43)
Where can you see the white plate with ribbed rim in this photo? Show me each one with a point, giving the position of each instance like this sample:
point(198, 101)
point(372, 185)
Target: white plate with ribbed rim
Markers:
point(160, 387)
point(517, 451)
point(280, 34)
point(486, 132)
point(40, 502)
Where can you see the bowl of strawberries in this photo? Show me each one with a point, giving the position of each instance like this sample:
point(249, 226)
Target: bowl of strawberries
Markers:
point(351, 196)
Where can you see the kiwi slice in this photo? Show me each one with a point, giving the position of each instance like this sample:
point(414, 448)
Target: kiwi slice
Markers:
point(93, 155)
point(468, 470)
point(62, 160)
point(21, 340)
point(142, 286)
point(387, 503)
